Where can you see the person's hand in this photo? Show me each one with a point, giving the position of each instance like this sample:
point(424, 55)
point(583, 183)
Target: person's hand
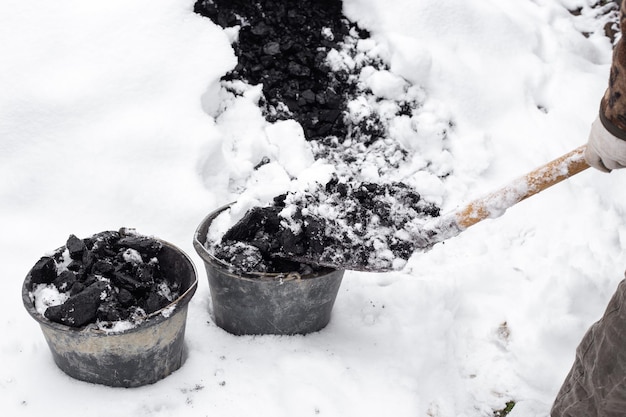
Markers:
point(604, 151)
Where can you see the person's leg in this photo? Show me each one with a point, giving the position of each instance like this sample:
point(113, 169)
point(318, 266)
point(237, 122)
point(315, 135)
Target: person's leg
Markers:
point(596, 384)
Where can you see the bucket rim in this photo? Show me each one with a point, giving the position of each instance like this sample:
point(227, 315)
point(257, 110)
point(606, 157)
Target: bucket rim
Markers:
point(150, 320)
point(199, 240)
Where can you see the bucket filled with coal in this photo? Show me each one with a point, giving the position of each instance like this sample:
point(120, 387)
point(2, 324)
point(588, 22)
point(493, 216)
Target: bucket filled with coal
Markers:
point(254, 294)
point(113, 307)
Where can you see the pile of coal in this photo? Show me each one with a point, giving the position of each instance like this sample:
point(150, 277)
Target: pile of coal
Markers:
point(111, 276)
point(286, 47)
point(283, 45)
point(368, 227)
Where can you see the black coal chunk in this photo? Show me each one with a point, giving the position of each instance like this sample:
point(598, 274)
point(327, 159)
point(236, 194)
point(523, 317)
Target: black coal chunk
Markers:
point(103, 267)
point(147, 273)
point(154, 301)
point(65, 281)
point(125, 298)
point(75, 246)
point(79, 309)
point(142, 244)
point(111, 311)
point(315, 230)
point(103, 243)
point(255, 225)
point(90, 257)
point(44, 271)
point(77, 287)
point(129, 282)
point(271, 48)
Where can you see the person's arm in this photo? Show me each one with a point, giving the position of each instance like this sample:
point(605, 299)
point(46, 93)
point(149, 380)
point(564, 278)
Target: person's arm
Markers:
point(613, 105)
point(606, 147)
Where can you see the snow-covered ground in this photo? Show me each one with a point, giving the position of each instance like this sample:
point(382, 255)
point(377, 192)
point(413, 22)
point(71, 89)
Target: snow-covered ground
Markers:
point(108, 119)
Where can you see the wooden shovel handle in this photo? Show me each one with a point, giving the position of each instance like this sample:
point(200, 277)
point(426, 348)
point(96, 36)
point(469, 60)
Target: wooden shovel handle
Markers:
point(495, 204)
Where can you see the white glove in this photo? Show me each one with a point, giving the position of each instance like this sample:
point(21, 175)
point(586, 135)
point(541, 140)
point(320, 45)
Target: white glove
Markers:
point(604, 151)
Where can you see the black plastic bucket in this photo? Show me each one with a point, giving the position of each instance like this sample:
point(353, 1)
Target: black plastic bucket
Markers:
point(139, 356)
point(262, 303)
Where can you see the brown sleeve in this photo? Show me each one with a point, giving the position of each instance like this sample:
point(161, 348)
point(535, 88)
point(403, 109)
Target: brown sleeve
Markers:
point(613, 104)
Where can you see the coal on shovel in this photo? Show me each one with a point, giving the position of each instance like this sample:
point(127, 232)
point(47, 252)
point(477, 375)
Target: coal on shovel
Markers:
point(443, 227)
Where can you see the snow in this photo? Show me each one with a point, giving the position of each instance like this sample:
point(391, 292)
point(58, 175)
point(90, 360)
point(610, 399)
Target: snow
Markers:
point(47, 295)
point(131, 255)
point(112, 116)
